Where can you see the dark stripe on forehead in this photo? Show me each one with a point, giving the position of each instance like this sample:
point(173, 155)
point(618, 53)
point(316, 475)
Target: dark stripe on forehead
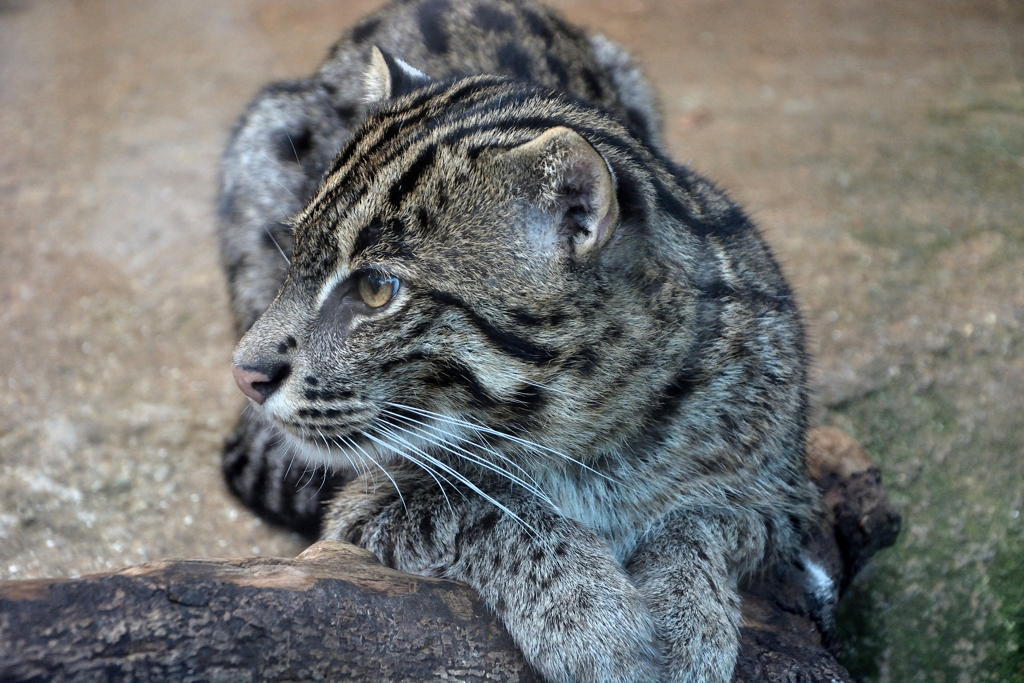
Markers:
point(483, 106)
point(512, 108)
point(428, 102)
point(424, 220)
point(415, 108)
point(507, 342)
point(423, 106)
point(624, 146)
point(371, 234)
point(539, 108)
point(510, 125)
point(368, 236)
point(468, 98)
point(407, 182)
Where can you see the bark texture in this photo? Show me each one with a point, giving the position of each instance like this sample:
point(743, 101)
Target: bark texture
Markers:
point(334, 613)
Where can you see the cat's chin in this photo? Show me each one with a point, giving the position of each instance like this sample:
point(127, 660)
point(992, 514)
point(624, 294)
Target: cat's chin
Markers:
point(351, 454)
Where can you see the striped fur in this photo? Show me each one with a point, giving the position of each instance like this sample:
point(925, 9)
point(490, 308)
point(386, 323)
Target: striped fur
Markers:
point(292, 130)
point(284, 142)
point(598, 427)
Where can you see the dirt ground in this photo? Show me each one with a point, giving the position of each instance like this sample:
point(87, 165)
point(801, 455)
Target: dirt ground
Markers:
point(879, 144)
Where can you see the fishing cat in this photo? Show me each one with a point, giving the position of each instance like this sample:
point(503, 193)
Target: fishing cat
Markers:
point(554, 364)
point(292, 130)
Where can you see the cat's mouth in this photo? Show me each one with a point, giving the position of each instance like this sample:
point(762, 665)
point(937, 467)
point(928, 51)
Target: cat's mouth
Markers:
point(317, 436)
point(355, 435)
point(447, 448)
point(323, 422)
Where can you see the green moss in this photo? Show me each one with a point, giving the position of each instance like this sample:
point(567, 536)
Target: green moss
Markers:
point(947, 602)
point(1008, 578)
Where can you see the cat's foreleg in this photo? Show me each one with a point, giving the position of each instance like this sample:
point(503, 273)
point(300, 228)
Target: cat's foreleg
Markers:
point(561, 594)
point(682, 571)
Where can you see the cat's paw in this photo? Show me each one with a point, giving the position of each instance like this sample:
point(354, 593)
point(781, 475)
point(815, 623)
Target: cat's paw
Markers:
point(595, 634)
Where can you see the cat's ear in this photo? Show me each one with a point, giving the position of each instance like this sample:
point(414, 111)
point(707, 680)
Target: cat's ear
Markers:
point(388, 77)
point(576, 187)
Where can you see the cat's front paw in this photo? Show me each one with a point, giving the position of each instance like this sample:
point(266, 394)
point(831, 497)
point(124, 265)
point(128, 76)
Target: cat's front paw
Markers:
point(594, 632)
point(623, 652)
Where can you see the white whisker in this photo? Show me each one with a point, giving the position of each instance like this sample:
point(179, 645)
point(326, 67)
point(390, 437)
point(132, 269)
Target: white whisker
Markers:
point(288, 135)
point(530, 445)
point(274, 240)
point(324, 459)
point(545, 387)
point(458, 476)
point(423, 467)
point(354, 459)
point(468, 456)
point(353, 444)
point(323, 482)
point(423, 457)
point(287, 189)
point(443, 433)
point(277, 163)
point(346, 452)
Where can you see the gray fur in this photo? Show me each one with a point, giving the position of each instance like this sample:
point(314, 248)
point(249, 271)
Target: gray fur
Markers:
point(598, 427)
point(264, 182)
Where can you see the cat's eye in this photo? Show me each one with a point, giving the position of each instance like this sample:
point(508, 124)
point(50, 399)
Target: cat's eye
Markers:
point(376, 289)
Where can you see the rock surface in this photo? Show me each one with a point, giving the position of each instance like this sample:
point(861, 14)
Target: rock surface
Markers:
point(879, 144)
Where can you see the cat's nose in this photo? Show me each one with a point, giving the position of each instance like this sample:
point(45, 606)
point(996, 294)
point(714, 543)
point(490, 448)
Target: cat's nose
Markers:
point(259, 384)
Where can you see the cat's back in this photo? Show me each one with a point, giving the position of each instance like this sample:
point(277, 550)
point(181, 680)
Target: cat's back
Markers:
point(517, 38)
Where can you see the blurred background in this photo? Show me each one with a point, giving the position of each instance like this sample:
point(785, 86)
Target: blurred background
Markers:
point(880, 145)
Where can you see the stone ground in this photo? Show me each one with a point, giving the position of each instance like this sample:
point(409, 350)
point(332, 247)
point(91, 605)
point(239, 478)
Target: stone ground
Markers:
point(879, 144)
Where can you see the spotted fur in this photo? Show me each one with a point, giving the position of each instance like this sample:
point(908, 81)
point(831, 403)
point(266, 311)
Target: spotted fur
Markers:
point(292, 130)
point(586, 398)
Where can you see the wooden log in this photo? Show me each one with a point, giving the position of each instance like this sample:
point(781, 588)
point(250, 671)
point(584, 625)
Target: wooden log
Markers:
point(335, 613)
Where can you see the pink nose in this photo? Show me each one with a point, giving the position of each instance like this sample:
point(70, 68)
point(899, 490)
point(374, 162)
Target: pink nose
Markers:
point(245, 379)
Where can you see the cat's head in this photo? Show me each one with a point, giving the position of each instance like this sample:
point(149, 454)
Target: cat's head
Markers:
point(468, 279)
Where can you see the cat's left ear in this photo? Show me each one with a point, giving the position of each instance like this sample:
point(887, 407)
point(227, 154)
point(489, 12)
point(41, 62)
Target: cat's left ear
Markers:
point(388, 77)
point(574, 186)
